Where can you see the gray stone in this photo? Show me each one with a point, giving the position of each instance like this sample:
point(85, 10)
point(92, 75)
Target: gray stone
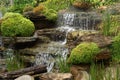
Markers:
point(25, 77)
point(56, 76)
point(53, 34)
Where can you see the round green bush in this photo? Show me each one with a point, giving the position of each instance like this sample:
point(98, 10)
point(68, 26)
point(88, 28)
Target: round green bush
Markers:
point(14, 24)
point(83, 53)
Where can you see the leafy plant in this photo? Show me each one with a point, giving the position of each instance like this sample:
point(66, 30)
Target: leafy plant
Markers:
point(14, 24)
point(83, 53)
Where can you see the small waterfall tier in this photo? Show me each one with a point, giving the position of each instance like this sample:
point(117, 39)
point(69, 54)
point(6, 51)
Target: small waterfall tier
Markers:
point(79, 20)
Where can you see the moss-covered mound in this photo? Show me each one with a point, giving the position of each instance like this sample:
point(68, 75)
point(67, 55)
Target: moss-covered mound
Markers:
point(83, 53)
point(14, 24)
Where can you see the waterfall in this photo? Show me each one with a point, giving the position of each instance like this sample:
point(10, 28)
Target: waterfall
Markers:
point(67, 22)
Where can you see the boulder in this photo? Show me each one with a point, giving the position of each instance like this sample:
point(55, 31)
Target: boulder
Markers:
point(56, 76)
point(25, 77)
point(76, 37)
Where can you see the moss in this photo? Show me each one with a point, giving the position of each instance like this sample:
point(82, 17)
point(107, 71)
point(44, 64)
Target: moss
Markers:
point(83, 53)
point(15, 24)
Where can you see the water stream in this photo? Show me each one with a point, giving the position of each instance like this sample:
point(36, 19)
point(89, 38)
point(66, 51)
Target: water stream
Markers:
point(67, 22)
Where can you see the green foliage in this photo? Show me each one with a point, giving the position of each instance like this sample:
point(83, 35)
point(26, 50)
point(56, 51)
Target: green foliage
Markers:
point(51, 8)
point(83, 53)
point(13, 61)
point(115, 25)
point(106, 24)
point(28, 8)
point(19, 5)
point(50, 14)
point(110, 25)
point(101, 72)
point(116, 48)
point(14, 24)
point(63, 65)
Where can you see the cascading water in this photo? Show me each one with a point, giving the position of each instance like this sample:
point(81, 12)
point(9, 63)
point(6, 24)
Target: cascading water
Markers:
point(79, 20)
point(68, 21)
point(49, 55)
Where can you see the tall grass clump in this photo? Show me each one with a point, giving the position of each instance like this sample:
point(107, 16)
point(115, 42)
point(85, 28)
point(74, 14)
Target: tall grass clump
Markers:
point(106, 24)
point(115, 49)
point(94, 73)
point(13, 61)
point(63, 65)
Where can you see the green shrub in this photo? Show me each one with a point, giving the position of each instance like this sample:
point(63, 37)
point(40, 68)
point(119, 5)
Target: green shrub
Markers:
point(12, 15)
point(116, 48)
point(83, 53)
point(14, 24)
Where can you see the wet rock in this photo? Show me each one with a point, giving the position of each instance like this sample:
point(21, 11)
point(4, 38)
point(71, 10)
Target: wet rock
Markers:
point(53, 34)
point(56, 76)
point(27, 52)
point(76, 37)
point(24, 42)
point(19, 42)
point(25, 77)
point(101, 40)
